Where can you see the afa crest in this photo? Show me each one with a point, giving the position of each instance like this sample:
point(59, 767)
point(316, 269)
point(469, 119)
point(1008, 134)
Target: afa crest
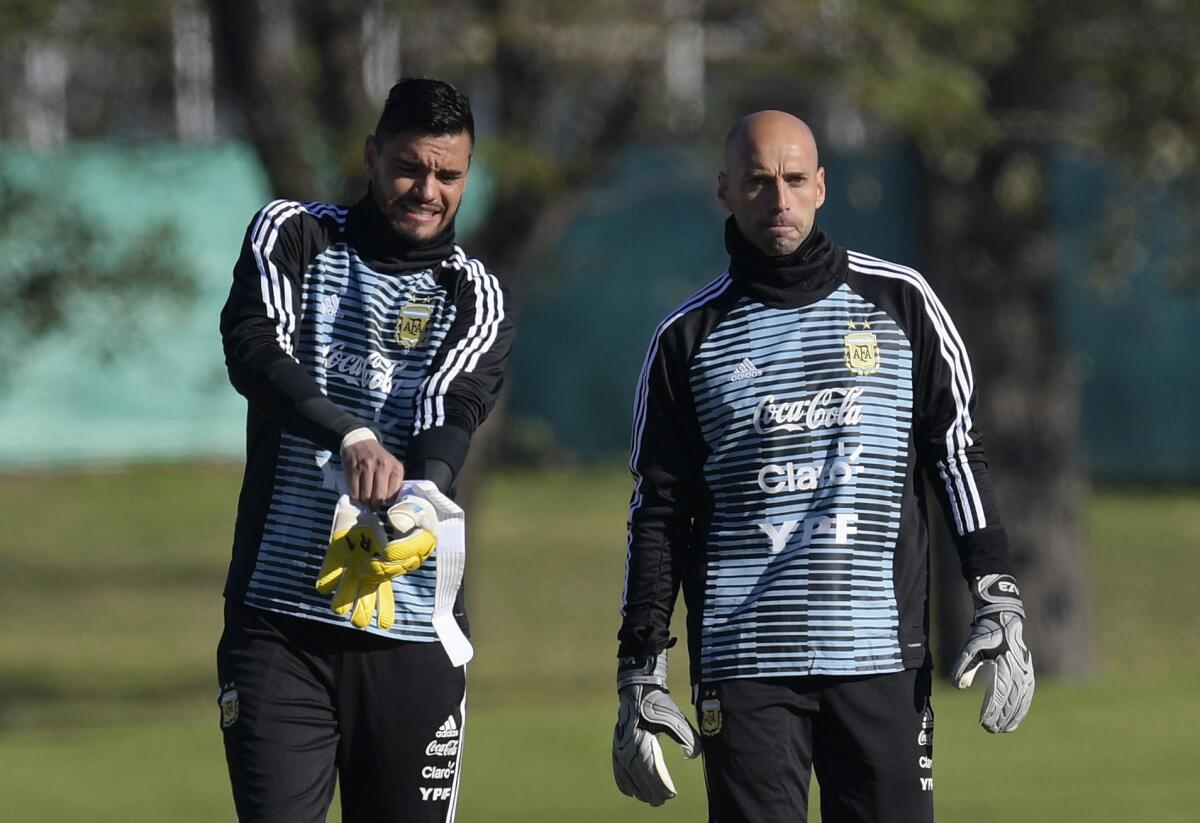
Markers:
point(412, 326)
point(228, 701)
point(861, 349)
point(710, 714)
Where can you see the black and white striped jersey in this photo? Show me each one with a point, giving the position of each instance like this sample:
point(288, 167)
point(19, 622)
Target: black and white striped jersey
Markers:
point(332, 324)
point(780, 432)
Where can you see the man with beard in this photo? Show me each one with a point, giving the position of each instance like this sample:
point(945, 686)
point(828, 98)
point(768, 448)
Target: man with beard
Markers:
point(786, 418)
point(369, 348)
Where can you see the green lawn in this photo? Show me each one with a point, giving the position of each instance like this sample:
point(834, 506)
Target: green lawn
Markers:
point(112, 610)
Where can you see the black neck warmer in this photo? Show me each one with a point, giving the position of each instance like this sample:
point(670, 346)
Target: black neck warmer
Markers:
point(806, 275)
point(384, 250)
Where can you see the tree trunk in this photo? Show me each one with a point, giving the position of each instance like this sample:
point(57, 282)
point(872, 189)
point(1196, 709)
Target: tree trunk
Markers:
point(255, 53)
point(527, 215)
point(992, 255)
point(344, 114)
point(992, 258)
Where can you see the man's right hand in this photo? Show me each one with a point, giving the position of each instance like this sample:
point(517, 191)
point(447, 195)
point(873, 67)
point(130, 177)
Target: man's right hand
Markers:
point(373, 475)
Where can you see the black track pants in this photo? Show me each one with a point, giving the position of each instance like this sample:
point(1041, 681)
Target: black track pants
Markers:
point(870, 740)
point(303, 704)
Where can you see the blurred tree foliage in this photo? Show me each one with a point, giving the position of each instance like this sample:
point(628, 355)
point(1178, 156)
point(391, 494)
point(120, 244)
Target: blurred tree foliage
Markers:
point(559, 87)
point(58, 262)
point(59, 265)
point(985, 94)
point(116, 61)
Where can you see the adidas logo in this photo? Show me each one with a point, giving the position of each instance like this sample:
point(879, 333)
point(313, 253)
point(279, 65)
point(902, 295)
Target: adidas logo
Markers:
point(448, 729)
point(745, 370)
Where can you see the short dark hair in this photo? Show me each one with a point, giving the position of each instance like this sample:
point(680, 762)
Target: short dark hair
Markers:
point(425, 105)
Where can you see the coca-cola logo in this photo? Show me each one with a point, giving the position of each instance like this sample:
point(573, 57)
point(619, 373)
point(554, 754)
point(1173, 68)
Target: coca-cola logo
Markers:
point(447, 749)
point(826, 409)
point(372, 372)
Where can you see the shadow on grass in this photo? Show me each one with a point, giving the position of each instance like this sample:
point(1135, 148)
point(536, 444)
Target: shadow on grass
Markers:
point(20, 571)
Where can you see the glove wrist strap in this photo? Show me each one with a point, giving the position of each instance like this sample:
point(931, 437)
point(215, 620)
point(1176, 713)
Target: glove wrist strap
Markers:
point(995, 593)
point(643, 669)
point(451, 563)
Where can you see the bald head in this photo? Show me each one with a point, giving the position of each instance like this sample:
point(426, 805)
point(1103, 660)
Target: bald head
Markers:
point(772, 182)
point(765, 129)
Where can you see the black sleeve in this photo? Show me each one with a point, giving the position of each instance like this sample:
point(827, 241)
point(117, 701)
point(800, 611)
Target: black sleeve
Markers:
point(949, 445)
point(259, 323)
point(466, 373)
point(666, 460)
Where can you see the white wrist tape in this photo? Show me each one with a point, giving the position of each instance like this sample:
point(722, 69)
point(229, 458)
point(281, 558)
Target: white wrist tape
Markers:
point(357, 436)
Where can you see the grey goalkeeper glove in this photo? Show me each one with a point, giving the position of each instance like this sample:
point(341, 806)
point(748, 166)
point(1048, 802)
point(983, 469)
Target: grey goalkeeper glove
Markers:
point(996, 642)
point(646, 710)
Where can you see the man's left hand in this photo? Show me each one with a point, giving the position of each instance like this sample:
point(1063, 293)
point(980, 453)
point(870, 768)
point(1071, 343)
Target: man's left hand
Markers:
point(647, 710)
point(997, 642)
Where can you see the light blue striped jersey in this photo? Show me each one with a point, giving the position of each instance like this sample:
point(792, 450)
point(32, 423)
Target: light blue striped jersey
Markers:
point(806, 462)
point(415, 353)
point(778, 451)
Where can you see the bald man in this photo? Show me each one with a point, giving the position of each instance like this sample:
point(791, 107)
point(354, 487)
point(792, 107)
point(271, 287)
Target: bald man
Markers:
point(785, 421)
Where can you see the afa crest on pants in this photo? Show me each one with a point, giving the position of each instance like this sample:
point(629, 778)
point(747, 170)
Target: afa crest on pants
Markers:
point(228, 701)
point(710, 715)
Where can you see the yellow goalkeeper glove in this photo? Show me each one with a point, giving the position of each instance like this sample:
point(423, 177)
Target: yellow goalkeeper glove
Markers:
point(415, 523)
point(355, 537)
point(360, 563)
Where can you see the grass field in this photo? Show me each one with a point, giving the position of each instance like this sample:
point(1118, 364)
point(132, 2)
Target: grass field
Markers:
point(111, 610)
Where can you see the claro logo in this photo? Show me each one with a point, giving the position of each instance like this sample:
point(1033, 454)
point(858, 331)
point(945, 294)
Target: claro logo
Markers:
point(827, 409)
